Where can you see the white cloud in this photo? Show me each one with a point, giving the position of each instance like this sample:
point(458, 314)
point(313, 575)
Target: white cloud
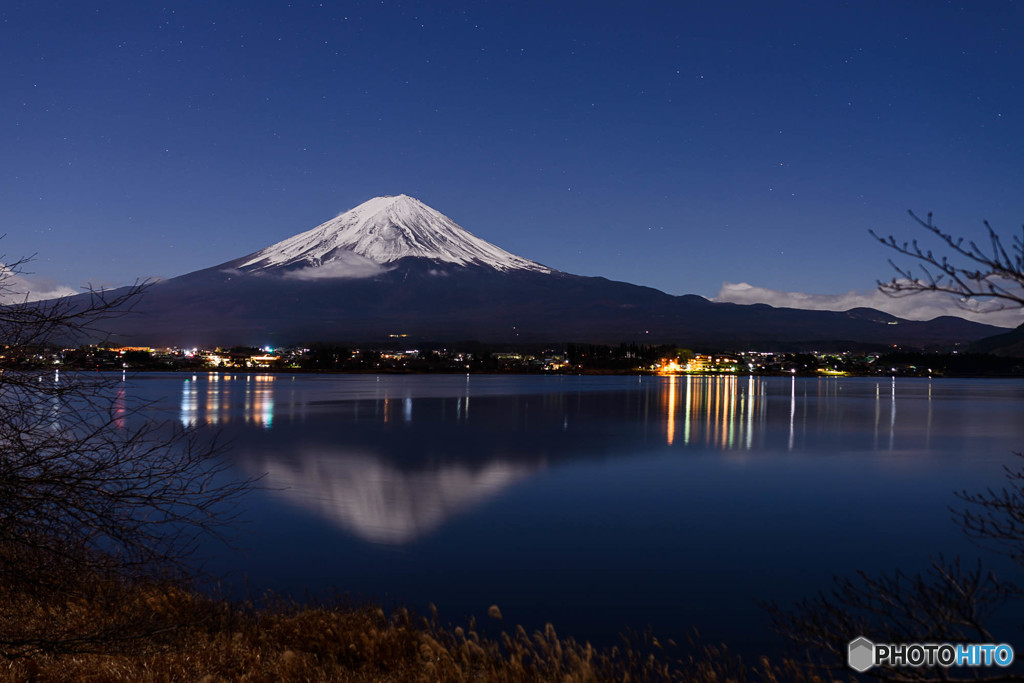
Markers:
point(923, 306)
point(15, 287)
point(344, 265)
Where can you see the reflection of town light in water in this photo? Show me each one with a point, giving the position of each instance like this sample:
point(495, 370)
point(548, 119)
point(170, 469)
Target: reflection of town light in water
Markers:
point(892, 417)
point(268, 400)
point(714, 405)
point(671, 409)
point(189, 402)
point(878, 410)
point(689, 409)
point(750, 411)
point(247, 400)
point(928, 426)
point(259, 400)
point(716, 427)
point(730, 408)
point(213, 405)
point(723, 415)
point(717, 411)
point(792, 410)
point(54, 413)
point(462, 408)
point(119, 408)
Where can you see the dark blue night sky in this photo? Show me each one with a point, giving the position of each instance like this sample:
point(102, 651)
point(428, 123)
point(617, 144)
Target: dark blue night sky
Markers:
point(677, 145)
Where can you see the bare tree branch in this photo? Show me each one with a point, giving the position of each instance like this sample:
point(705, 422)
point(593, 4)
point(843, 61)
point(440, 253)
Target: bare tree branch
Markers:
point(93, 494)
point(968, 272)
point(995, 518)
point(948, 603)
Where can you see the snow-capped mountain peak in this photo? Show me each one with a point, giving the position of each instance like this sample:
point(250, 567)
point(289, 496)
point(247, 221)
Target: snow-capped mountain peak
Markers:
point(378, 232)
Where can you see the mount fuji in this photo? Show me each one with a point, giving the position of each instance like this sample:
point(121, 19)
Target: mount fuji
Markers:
point(393, 265)
point(377, 233)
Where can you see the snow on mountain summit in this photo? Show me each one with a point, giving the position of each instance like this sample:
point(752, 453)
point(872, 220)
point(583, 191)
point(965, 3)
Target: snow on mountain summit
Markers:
point(364, 240)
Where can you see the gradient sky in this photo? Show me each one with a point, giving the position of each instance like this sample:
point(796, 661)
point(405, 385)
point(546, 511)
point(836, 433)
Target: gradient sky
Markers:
point(672, 144)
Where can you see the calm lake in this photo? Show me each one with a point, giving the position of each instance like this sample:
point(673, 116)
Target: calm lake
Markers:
point(595, 503)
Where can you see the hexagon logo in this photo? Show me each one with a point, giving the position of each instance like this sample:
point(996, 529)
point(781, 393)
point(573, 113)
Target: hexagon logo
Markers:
point(861, 655)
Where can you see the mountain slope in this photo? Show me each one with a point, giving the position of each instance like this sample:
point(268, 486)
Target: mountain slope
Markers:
point(395, 266)
point(382, 231)
point(1009, 343)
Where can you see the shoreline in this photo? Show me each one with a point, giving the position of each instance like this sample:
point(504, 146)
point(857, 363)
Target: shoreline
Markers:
point(145, 630)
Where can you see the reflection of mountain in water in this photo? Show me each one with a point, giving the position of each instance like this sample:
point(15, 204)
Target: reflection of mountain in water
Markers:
point(388, 464)
point(378, 501)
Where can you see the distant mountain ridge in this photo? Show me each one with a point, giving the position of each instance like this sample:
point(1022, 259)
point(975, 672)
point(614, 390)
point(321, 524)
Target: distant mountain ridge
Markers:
point(1009, 343)
point(393, 265)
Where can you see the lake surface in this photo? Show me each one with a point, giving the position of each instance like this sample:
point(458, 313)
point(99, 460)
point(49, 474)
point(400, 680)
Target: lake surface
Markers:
point(595, 503)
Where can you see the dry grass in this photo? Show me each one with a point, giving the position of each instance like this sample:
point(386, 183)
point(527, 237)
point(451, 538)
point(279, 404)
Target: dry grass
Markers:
point(155, 632)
